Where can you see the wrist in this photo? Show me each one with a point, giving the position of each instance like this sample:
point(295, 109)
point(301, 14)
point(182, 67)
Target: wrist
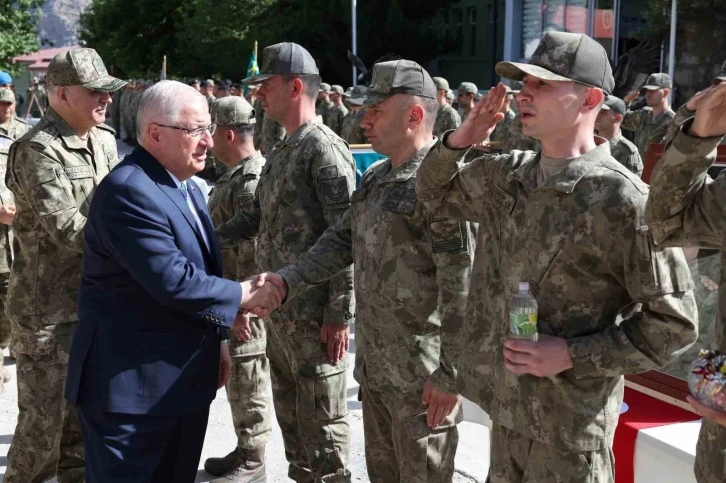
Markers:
point(452, 141)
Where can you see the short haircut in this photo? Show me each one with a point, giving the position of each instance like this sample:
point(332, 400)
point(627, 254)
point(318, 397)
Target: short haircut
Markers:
point(241, 130)
point(311, 83)
point(163, 102)
point(430, 107)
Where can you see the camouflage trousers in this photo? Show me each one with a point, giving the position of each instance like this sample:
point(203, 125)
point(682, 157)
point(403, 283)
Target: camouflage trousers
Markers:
point(309, 395)
point(247, 389)
point(400, 447)
point(4, 320)
point(47, 440)
point(710, 466)
point(518, 459)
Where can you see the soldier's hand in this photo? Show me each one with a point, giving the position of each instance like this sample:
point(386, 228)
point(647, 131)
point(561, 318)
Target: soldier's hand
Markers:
point(7, 213)
point(633, 95)
point(695, 101)
point(546, 357)
point(261, 298)
point(710, 118)
point(242, 328)
point(718, 417)
point(225, 366)
point(337, 338)
point(440, 404)
point(481, 121)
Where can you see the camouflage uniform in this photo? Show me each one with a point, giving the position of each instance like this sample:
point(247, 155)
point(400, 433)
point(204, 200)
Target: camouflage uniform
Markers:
point(503, 130)
point(250, 378)
point(304, 188)
point(115, 112)
point(581, 242)
point(335, 117)
point(411, 278)
point(446, 119)
point(52, 173)
point(517, 140)
point(14, 128)
point(685, 208)
point(351, 132)
point(626, 153)
point(129, 110)
point(646, 127)
point(322, 108)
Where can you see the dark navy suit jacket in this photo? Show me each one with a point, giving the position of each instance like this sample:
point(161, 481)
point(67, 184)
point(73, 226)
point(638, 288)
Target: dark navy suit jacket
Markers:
point(152, 307)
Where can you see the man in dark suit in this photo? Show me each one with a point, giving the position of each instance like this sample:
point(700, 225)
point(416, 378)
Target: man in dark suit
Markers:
point(153, 308)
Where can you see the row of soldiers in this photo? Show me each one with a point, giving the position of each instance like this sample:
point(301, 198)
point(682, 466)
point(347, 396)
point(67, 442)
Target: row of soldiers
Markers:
point(397, 256)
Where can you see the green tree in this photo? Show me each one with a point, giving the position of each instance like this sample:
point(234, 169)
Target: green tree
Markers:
point(18, 31)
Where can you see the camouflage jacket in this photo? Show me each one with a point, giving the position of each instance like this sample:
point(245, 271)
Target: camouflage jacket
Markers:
point(412, 272)
point(6, 199)
point(581, 242)
point(446, 119)
point(626, 154)
point(647, 128)
point(322, 108)
point(517, 139)
point(14, 128)
point(336, 115)
point(686, 208)
point(351, 132)
point(232, 194)
point(503, 129)
point(304, 188)
point(53, 174)
point(129, 108)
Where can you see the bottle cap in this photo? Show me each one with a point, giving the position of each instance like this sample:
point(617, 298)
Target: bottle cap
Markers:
point(523, 286)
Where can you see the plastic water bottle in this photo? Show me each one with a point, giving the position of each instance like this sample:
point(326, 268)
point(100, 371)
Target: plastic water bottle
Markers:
point(523, 314)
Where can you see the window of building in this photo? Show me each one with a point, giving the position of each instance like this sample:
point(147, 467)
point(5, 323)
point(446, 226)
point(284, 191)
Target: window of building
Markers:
point(457, 27)
point(471, 15)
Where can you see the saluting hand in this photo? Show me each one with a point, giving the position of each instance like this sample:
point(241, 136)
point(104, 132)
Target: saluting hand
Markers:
point(695, 101)
point(710, 118)
point(481, 121)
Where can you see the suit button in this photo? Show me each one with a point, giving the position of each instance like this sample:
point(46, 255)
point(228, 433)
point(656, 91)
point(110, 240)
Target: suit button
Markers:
point(218, 330)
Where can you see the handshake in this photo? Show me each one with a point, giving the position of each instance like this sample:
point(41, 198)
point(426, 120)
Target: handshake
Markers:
point(263, 293)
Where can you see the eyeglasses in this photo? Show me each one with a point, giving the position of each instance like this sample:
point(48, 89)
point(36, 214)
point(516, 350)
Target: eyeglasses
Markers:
point(195, 133)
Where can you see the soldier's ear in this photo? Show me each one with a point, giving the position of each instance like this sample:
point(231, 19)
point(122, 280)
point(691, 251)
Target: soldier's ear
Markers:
point(594, 99)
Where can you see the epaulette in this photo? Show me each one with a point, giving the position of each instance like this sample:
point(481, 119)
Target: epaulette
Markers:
point(371, 172)
point(106, 127)
point(43, 137)
point(22, 121)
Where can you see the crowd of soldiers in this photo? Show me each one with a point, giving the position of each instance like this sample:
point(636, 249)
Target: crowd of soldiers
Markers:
point(481, 190)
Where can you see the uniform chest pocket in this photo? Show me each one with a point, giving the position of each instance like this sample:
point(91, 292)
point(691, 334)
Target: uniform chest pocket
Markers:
point(82, 183)
point(401, 199)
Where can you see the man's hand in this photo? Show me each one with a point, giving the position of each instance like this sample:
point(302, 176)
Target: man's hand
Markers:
point(440, 404)
point(544, 358)
point(261, 298)
point(241, 327)
point(337, 337)
point(225, 365)
point(481, 121)
point(693, 102)
point(632, 95)
point(7, 213)
point(718, 417)
point(711, 114)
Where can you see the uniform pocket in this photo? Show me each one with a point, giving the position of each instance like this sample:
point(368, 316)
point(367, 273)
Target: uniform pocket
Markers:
point(329, 388)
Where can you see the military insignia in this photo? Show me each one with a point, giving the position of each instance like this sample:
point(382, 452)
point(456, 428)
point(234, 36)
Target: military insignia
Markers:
point(401, 199)
point(335, 190)
point(503, 200)
point(328, 172)
point(78, 172)
point(448, 235)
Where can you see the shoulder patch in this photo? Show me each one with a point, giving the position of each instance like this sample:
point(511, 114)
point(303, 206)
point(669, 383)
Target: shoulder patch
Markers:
point(335, 190)
point(448, 235)
point(328, 172)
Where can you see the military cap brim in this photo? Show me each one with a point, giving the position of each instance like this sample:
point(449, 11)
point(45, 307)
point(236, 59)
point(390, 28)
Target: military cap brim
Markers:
point(652, 88)
point(517, 71)
point(257, 79)
point(105, 83)
point(368, 98)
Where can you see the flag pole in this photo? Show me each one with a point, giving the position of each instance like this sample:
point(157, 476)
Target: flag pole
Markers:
point(255, 49)
point(164, 67)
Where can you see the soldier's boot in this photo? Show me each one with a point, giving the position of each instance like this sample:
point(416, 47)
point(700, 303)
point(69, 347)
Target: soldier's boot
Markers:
point(220, 466)
point(249, 467)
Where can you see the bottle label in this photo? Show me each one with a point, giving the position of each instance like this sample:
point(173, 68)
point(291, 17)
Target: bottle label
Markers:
point(523, 324)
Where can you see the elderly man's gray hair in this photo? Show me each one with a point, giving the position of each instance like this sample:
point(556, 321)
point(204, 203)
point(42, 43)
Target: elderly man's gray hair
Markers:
point(163, 102)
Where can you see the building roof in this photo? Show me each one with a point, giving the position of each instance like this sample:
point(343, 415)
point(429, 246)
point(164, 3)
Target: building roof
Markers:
point(39, 60)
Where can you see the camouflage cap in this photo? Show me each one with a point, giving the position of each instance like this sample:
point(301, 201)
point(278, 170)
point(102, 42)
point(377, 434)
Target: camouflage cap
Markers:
point(287, 58)
point(450, 95)
point(232, 111)
point(7, 96)
point(396, 77)
point(658, 81)
point(336, 89)
point(563, 56)
point(467, 88)
point(82, 67)
point(347, 92)
point(210, 82)
point(324, 87)
point(614, 104)
point(441, 83)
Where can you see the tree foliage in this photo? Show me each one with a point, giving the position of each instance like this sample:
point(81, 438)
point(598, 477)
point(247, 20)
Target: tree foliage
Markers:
point(208, 37)
point(18, 31)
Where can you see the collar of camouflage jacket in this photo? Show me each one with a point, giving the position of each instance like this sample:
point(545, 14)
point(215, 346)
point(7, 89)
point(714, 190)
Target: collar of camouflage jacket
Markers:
point(405, 171)
point(65, 132)
point(246, 166)
point(565, 180)
point(296, 138)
